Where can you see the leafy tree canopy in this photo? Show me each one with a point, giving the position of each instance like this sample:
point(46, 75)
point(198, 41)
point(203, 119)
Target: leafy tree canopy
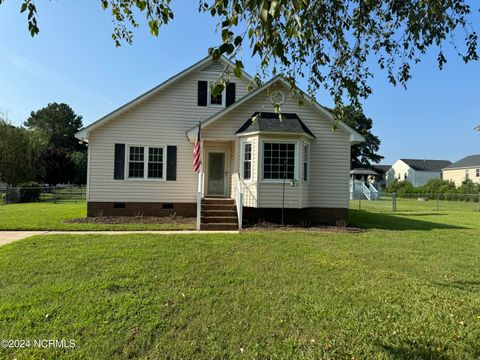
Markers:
point(362, 155)
point(335, 42)
point(58, 123)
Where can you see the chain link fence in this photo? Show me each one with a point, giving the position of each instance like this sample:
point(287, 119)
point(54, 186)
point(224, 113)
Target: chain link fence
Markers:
point(54, 194)
point(389, 202)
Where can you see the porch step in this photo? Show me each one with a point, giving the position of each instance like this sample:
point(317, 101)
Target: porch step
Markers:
point(218, 214)
point(218, 226)
point(219, 219)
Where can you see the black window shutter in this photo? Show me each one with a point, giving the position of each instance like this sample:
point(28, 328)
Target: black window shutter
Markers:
point(171, 162)
point(230, 94)
point(119, 162)
point(202, 93)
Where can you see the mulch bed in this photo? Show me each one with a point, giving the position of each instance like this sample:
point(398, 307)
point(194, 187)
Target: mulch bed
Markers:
point(266, 226)
point(133, 220)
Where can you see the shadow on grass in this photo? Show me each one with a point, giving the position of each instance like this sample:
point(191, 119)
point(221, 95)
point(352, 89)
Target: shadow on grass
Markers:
point(464, 285)
point(414, 350)
point(368, 220)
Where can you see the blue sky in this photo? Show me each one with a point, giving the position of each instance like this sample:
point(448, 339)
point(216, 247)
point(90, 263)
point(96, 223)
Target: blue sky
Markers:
point(74, 60)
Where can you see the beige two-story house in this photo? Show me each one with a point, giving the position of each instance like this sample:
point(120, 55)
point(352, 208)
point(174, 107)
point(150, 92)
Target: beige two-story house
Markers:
point(466, 168)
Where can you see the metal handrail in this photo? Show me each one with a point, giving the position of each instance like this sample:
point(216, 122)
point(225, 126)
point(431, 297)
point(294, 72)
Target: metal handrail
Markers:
point(199, 198)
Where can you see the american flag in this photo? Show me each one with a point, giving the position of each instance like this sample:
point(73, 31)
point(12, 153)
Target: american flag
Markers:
point(196, 152)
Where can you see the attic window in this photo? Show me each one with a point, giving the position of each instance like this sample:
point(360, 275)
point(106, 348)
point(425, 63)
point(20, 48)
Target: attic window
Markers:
point(218, 100)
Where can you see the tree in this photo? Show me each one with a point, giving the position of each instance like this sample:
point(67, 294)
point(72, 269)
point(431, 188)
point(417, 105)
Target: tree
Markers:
point(363, 154)
point(57, 167)
point(335, 42)
point(58, 123)
point(19, 152)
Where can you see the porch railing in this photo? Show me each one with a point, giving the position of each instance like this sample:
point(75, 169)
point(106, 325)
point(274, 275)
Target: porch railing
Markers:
point(199, 198)
point(239, 201)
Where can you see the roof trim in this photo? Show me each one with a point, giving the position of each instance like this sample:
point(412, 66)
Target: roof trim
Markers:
point(277, 133)
point(355, 137)
point(83, 134)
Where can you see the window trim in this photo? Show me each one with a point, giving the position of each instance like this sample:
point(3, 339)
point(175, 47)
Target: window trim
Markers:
point(261, 160)
point(306, 150)
point(209, 96)
point(242, 159)
point(467, 174)
point(145, 163)
point(477, 172)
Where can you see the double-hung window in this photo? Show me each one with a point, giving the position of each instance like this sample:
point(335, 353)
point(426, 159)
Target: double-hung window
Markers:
point(306, 156)
point(146, 162)
point(466, 173)
point(278, 161)
point(215, 100)
point(477, 172)
point(246, 166)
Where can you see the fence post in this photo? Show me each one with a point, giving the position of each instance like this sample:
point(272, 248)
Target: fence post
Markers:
point(359, 204)
point(55, 194)
point(394, 201)
point(438, 202)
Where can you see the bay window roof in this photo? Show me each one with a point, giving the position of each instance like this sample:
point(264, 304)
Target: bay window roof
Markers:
point(271, 123)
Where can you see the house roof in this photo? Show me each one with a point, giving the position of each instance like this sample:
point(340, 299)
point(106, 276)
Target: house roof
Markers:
point(426, 165)
point(270, 122)
point(355, 137)
point(362, 171)
point(466, 162)
point(382, 168)
point(83, 134)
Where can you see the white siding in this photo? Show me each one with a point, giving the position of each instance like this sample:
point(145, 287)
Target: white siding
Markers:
point(161, 119)
point(402, 171)
point(329, 155)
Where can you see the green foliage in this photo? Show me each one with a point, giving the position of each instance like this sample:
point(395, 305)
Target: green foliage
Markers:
point(469, 187)
point(29, 192)
point(58, 123)
point(362, 155)
point(400, 187)
point(438, 186)
point(334, 41)
point(80, 162)
point(19, 152)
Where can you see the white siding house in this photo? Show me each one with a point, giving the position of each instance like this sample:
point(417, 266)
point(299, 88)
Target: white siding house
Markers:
point(140, 156)
point(416, 171)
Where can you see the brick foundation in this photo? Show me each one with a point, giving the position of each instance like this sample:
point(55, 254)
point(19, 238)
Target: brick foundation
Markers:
point(311, 216)
point(95, 209)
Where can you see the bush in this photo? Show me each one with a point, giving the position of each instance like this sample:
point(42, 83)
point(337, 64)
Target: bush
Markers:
point(29, 192)
point(401, 188)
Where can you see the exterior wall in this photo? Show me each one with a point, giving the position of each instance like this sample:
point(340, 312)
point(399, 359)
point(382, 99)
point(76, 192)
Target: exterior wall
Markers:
point(417, 178)
point(303, 217)
point(458, 175)
point(249, 187)
point(162, 119)
point(329, 155)
point(95, 209)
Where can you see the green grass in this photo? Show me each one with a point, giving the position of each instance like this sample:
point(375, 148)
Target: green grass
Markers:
point(50, 216)
point(408, 288)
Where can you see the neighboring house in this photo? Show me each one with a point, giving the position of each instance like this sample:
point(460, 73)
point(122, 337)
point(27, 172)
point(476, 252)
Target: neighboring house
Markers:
point(416, 171)
point(140, 155)
point(380, 180)
point(467, 168)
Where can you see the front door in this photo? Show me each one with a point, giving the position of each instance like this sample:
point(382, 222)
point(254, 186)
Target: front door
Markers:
point(216, 184)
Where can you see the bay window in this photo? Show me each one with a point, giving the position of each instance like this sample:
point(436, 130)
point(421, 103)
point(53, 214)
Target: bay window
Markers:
point(278, 160)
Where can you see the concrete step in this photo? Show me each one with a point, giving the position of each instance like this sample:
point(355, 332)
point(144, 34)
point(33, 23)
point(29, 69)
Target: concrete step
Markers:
point(219, 226)
point(219, 220)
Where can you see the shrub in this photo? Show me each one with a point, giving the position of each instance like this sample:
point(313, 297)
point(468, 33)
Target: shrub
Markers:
point(29, 192)
point(402, 188)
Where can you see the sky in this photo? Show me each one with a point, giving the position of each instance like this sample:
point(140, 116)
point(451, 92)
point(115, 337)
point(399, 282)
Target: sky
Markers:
point(74, 60)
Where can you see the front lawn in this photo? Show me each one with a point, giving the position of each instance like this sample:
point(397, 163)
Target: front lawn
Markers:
point(51, 216)
point(408, 288)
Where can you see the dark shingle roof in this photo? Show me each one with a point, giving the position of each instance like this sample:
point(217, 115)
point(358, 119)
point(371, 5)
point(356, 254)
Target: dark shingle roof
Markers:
point(267, 121)
point(426, 165)
point(382, 168)
point(469, 161)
